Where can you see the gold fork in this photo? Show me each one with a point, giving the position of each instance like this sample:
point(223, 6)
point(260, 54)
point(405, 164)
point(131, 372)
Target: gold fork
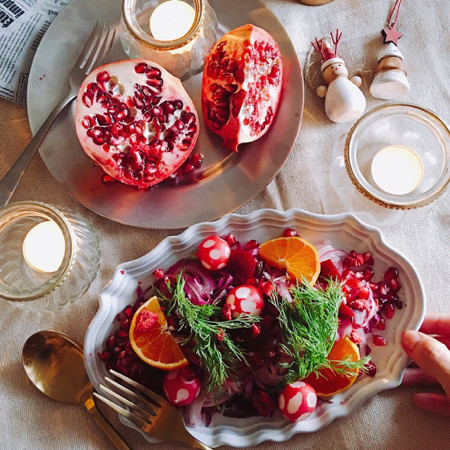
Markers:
point(149, 411)
point(94, 53)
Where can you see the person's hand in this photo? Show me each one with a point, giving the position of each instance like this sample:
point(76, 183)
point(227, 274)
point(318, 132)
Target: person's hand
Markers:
point(432, 356)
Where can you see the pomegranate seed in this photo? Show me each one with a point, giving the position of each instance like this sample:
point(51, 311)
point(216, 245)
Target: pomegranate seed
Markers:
point(140, 67)
point(355, 337)
point(104, 356)
point(379, 340)
point(110, 342)
point(381, 325)
point(368, 273)
point(231, 239)
point(364, 293)
point(252, 244)
point(389, 310)
point(390, 274)
point(287, 232)
point(128, 311)
point(220, 335)
point(255, 330)
point(382, 289)
point(368, 258)
point(370, 368)
point(107, 178)
point(394, 285)
point(102, 77)
point(188, 168)
point(158, 274)
point(267, 288)
point(197, 159)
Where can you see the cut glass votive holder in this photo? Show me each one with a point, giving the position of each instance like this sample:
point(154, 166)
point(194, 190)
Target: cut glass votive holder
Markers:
point(182, 55)
point(48, 256)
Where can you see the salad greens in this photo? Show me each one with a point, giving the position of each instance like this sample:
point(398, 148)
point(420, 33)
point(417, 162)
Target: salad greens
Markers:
point(219, 355)
point(309, 325)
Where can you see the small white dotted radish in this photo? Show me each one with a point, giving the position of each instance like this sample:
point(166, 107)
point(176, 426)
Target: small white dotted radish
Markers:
point(246, 299)
point(297, 401)
point(181, 386)
point(214, 253)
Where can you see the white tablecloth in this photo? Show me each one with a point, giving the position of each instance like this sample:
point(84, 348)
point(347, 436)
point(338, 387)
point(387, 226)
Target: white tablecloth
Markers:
point(386, 421)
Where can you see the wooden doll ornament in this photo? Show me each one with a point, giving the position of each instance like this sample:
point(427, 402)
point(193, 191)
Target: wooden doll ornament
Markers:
point(390, 81)
point(344, 101)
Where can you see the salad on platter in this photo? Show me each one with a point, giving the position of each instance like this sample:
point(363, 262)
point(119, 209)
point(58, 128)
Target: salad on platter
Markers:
point(245, 329)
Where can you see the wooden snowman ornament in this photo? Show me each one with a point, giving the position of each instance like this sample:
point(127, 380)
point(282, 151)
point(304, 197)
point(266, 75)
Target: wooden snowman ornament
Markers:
point(344, 101)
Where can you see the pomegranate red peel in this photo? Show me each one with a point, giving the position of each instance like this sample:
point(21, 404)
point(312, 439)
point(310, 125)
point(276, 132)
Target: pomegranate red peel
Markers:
point(136, 121)
point(241, 85)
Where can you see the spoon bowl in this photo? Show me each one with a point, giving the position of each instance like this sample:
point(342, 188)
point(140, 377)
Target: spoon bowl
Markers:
point(55, 365)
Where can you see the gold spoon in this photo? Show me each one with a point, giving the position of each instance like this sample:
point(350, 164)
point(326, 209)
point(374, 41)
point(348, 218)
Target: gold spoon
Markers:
point(55, 365)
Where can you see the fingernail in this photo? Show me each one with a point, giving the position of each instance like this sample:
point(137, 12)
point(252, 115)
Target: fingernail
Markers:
point(410, 339)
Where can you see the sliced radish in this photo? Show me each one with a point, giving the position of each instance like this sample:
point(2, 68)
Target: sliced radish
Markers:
point(246, 299)
point(213, 253)
point(181, 386)
point(297, 401)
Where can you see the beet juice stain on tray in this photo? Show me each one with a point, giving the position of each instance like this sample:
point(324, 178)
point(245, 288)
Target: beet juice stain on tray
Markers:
point(177, 204)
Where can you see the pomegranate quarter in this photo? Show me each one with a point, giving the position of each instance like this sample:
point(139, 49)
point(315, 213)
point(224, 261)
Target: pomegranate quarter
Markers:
point(241, 85)
point(136, 121)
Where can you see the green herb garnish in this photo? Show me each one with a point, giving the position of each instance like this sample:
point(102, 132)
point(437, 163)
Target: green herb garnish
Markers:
point(219, 355)
point(309, 324)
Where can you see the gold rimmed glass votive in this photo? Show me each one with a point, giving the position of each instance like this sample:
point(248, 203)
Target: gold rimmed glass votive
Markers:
point(48, 256)
point(176, 34)
point(397, 160)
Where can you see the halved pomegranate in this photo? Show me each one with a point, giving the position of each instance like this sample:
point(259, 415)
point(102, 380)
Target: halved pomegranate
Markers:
point(136, 121)
point(241, 85)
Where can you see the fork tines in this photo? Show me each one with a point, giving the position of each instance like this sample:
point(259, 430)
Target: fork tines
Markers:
point(142, 406)
point(97, 48)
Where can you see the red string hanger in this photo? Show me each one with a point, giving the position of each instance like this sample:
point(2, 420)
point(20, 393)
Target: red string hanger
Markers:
point(390, 33)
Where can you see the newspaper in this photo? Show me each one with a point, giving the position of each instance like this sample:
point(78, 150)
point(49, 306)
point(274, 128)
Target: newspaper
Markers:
point(22, 26)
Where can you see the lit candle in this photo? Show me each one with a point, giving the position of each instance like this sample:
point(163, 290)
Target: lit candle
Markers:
point(44, 247)
point(397, 170)
point(171, 20)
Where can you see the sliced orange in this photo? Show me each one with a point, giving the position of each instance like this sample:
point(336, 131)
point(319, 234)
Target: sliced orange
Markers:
point(296, 255)
point(329, 382)
point(151, 339)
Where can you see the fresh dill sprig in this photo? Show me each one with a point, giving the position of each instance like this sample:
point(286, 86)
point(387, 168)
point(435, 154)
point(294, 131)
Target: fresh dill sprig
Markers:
point(216, 350)
point(309, 324)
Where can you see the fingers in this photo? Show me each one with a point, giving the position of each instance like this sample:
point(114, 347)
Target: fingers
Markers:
point(431, 355)
point(418, 378)
point(433, 402)
point(436, 324)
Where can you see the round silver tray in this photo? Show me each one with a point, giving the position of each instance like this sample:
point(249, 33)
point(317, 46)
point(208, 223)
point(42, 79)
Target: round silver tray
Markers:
point(225, 181)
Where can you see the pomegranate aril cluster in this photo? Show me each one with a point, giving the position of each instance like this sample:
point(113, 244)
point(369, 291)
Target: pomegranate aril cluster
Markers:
point(358, 274)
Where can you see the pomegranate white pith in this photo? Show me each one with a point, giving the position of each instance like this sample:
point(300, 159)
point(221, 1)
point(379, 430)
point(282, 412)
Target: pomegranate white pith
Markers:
point(136, 121)
point(241, 85)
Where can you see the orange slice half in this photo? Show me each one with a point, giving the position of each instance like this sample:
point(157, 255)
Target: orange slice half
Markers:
point(329, 382)
point(296, 255)
point(151, 339)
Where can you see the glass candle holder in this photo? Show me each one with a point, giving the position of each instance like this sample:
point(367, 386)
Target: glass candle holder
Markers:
point(176, 34)
point(395, 163)
point(49, 257)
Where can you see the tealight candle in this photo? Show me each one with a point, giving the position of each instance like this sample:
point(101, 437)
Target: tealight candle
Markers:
point(171, 20)
point(397, 169)
point(176, 34)
point(49, 256)
point(44, 246)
